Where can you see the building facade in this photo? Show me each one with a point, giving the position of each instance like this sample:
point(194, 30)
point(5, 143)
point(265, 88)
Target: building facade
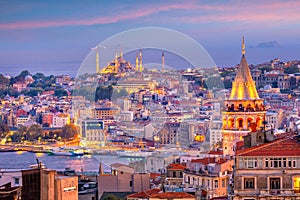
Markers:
point(269, 171)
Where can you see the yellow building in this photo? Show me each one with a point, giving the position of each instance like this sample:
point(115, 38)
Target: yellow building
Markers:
point(243, 110)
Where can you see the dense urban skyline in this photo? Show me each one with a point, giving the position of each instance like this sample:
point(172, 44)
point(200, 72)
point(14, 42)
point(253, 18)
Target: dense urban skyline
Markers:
point(37, 36)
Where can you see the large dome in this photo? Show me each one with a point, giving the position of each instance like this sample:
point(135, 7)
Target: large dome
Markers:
point(267, 87)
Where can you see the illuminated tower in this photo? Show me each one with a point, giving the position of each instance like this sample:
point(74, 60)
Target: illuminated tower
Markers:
point(163, 61)
point(137, 62)
point(244, 110)
point(141, 61)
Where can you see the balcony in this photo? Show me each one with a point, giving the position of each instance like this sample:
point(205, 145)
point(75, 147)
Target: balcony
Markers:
point(268, 192)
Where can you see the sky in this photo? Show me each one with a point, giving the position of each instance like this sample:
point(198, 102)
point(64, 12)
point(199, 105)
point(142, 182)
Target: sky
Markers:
point(54, 37)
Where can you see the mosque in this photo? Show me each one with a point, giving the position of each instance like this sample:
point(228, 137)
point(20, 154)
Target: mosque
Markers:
point(119, 65)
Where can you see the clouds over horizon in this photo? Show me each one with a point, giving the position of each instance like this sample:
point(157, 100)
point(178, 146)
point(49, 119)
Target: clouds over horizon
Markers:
point(276, 13)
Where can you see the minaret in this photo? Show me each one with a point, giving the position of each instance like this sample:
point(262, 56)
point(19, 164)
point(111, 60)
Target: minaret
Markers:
point(97, 59)
point(162, 61)
point(116, 63)
point(137, 62)
point(121, 53)
point(243, 111)
point(141, 61)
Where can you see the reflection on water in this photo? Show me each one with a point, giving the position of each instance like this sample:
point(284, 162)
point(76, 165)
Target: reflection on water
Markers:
point(20, 152)
point(23, 160)
point(39, 155)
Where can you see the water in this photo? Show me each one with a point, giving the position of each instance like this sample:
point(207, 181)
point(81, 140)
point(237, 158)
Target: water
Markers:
point(22, 160)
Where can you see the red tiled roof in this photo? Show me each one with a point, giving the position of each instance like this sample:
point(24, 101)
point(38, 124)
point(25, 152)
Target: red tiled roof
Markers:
point(144, 194)
point(204, 161)
point(208, 160)
point(169, 195)
point(154, 175)
point(218, 152)
point(176, 167)
point(286, 146)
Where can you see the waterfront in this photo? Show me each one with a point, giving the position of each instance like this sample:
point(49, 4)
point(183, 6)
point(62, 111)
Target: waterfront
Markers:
point(23, 159)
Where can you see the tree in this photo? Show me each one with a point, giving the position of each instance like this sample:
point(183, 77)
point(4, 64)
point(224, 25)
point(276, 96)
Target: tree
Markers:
point(23, 132)
point(35, 131)
point(111, 197)
point(4, 129)
point(60, 92)
point(118, 94)
point(3, 80)
point(291, 70)
point(103, 92)
point(293, 82)
point(265, 68)
point(69, 131)
point(38, 76)
point(274, 84)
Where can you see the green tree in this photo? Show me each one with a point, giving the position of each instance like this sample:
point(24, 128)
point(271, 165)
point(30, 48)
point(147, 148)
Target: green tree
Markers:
point(120, 93)
point(214, 82)
point(34, 92)
point(35, 131)
point(3, 80)
point(293, 82)
point(103, 92)
point(69, 131)
point(291, 70)
point(4, 129)
point(265, 68)
point(60, 92)
point(22, 132)
point(111, 197)
point(38, 76)
point(274, 84)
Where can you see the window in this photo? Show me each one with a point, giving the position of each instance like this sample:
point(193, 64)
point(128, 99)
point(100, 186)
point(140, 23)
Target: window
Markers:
point(17, 181)
point(216, 183)
point(130, 183)
point(284, 162)
point(249, 183)
point(174, 174)
point(274, 183)
point(223, 183)
point(250, 162)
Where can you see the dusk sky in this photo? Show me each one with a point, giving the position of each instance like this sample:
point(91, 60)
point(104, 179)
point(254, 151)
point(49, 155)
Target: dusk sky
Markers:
point(55, 36)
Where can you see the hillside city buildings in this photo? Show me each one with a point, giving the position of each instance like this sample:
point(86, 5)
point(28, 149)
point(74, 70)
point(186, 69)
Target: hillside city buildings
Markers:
point(201, 133)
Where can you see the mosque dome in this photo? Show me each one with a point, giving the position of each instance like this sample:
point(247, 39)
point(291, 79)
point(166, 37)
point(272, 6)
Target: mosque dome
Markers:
point(29, 79)
point(267, 87)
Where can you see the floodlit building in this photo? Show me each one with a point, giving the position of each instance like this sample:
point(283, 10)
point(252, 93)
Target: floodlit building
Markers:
point(243, 108)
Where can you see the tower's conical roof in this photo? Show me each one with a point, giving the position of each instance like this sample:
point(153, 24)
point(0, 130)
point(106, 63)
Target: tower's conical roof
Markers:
point(243, 87)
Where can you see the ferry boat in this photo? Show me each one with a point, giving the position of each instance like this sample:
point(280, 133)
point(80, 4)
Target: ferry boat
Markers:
point(65, 152)
point(134, 154)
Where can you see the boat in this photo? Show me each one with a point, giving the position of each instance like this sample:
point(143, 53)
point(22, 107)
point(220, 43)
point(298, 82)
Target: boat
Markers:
point(134, 154)
point(65, 152)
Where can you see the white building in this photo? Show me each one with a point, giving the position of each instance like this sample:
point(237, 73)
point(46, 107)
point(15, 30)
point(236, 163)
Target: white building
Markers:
point(215, 132)
point(61, 120)
point(22, 120)
point(11, 175)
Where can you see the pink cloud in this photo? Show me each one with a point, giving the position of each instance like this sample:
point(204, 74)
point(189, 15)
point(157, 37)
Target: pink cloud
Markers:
point(232, 11)
point(278, 13)
point(130, 14)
